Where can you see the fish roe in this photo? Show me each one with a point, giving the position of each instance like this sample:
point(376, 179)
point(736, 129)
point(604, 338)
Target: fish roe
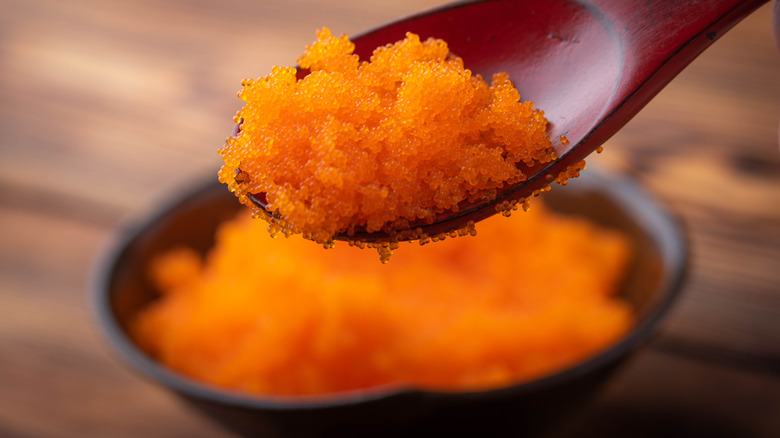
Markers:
point(463, 314)
point(379, 144)
point(572, 171)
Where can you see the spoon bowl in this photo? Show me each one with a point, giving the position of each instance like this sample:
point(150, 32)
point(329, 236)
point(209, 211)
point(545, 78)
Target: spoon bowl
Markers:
point(589, 65)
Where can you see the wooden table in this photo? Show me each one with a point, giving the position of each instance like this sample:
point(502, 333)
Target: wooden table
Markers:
point(109, 105)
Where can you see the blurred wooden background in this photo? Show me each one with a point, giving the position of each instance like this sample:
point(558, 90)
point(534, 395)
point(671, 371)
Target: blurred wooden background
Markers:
point(107, 106)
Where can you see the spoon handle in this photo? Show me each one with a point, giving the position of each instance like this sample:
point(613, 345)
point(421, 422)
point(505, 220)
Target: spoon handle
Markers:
point(678, 30)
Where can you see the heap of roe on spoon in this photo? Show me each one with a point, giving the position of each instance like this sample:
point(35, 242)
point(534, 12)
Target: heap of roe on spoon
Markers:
point(590, 65)
point(378, 145)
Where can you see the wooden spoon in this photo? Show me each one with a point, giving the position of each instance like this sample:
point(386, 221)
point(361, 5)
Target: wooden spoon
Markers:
point(589, 65)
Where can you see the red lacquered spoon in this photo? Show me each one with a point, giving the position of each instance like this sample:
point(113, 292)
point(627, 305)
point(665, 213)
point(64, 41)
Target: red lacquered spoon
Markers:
point(589, 65)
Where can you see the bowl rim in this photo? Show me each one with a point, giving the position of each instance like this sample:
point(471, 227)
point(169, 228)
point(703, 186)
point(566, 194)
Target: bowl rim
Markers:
point(665, 227)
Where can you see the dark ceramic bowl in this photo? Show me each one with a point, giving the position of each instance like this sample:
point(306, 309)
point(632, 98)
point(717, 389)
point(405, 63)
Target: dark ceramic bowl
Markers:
point(653, 283)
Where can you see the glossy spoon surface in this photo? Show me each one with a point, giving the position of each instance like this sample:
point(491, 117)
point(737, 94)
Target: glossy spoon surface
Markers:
point(589, 65)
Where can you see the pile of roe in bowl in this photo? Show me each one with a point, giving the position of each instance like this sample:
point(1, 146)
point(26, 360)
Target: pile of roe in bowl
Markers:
point(377, 144)
point(531, 295)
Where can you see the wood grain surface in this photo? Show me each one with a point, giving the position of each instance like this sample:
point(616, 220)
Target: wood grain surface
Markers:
point(108, 106)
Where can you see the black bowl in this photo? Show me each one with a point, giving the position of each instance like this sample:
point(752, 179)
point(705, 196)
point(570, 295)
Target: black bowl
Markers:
point(653, 283)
